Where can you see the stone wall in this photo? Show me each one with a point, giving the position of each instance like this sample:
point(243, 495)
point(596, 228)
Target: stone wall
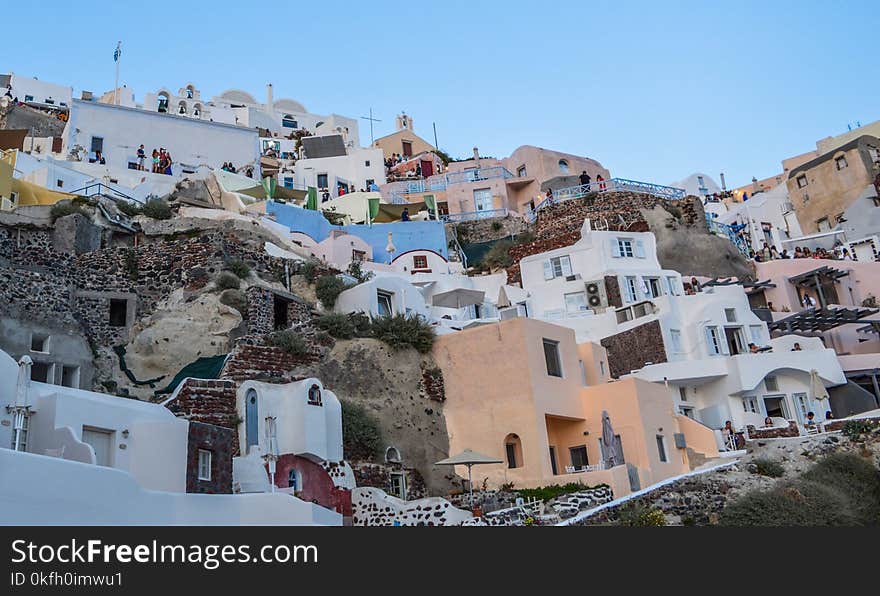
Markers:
point(632, 349)
point(792, 430)
point(373, 507)
point(252, 358)
point(208, 401)
point(221, 443)
point(379, 476)
point(612, 291)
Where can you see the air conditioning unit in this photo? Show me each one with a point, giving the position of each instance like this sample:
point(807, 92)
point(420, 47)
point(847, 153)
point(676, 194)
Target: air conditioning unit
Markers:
point(597, 299)
point(508, 313)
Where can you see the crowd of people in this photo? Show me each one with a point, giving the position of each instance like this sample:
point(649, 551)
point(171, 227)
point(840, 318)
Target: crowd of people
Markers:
point(771, 253)
point(161, 161)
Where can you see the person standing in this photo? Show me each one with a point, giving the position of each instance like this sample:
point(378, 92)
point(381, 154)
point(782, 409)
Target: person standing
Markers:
point(155, 157)
point(141, 155)
point(585, 179)
point(404, 216)
point(601, 182)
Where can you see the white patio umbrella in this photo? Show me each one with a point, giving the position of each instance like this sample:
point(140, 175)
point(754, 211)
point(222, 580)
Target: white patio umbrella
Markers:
point(470, 459)
point(458, 298)
point(610, 445)
point(817, 387)
point(21, 409)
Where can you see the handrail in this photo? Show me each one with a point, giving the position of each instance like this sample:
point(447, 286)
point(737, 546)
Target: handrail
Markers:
point(474, 215)
point(729, 232)
point(101, 186)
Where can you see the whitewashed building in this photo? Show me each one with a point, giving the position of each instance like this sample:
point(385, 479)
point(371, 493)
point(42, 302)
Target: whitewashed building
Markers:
point(33, 90)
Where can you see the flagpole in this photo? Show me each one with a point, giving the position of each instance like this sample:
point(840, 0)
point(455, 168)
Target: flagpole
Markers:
point(117, 55)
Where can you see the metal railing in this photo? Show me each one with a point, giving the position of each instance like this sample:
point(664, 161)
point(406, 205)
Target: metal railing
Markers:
point(99, 188)
point(476, 175)
point(474, 215)
point(612, 185)
point(729, 232)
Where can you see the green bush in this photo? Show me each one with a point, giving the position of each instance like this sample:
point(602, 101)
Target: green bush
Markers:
point(239, 268)
point(227, 281)
point(401, 331)
point(328, 288)
point(854, 477)
point(361, 435)
point(64, 208)
point(498, 256)
point(236, 299)
point(290, 341)
point(796, 503)
point(309, 270)
point(345, 326)
point(129, 208)
point(637, 515)
point(496, 226)
point(854, 429)
point(157, 209)
point(769, 467)
point(545, 493)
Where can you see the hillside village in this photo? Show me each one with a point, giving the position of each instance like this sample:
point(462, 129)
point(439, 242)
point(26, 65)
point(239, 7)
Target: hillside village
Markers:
point(233, 311)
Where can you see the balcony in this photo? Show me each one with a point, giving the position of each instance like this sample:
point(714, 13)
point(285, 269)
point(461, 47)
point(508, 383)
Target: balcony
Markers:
point(612, 185)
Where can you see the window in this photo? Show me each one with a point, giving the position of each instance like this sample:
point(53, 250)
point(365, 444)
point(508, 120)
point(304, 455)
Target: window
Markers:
point(288, 121)
point(624, 247)
point(563, 166)
point(358, 256)
point(314, 395)
point(730, 315)
point(672, 285)
point(576, 302)
point(801, 180)
point(293, 480)
point(632, 293)
point(43, 372)
point(322, 181)
point(420, 262)
point(513, 450)
point(756, 333)
point(59, 183)
point(602, 367)
point(551, 358)
point(521, 172)
point(28, 98)
point(675, 340)
point(97, 144)
point(367, 163)
point(750, 404)
point(802, 403)
point(288, 182)
point(683, 393)
point(713, 341)
point(579, 457)
point(205, 457)
point(652, 285)
point(771, 383)
point(822, 225)
point(661, 447)
point(40, 342)
point(583, 372)
point(557, 267)
point(70, 376)
point(407, 148)
point(840, 162)
point(398, 485)
point(384, 303)
point(118, 312)
point(688, 411)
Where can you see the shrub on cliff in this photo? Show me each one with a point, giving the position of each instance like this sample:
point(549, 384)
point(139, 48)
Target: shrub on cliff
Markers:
point(796, 503)
point(290, 341)
point(637, 515)
point(129, 208)
point(328, 288)
point(401, 331)
point(768, 467)
point(854, 477)
point(227, 281)
point(239, 268)
point(344, 326)
point(498, 256)
point(235, 299)
point(64, 208)
point(157, 209)
point(361, 437)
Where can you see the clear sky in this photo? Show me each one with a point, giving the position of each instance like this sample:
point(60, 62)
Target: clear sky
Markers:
point(653, 90)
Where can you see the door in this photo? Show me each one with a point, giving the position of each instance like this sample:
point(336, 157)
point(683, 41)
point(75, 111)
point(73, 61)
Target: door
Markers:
point(553, 460)
point(483, 199)
point(101, 441)
point(775, 406)
point(407, 148)
point(427, 168)
point(251, 420)
point(735, 343)
point(632, 473)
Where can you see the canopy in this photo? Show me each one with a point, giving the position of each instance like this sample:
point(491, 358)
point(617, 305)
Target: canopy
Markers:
point(468, 457)
point(388, 212)
point(458, 298)
point(817, 387)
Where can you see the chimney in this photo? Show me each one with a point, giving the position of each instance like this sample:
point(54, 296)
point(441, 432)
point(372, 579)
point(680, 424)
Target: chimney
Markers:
point(476, 157)
point(270, 100)
point(723, 184)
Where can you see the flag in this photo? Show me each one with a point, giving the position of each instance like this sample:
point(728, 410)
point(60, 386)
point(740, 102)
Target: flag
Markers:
point(118, 52)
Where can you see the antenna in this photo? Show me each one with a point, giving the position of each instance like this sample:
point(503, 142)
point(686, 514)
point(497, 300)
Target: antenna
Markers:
point(371, 119)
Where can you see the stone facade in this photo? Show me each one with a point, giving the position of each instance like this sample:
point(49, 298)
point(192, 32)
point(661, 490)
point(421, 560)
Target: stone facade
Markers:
point(315, 483)
point(792, 430)
point(379, 476)
point(612, 291)
point(432, 383)
point(219, 442)
point(252, 358)
point(634, 348)
point(261, 310)
point(207, 401)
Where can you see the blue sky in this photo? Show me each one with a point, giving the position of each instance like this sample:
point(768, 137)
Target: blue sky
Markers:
point(653, 90)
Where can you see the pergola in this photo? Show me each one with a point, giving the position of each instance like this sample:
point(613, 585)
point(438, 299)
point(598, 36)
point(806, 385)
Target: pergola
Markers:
point(751, 287)
point(817, 278)
point(820, 320)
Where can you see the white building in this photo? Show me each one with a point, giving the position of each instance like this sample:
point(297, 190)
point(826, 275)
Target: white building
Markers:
point(33, 90)
point(118, 131)
point(384, 295)
point(768, 217)
point(350, 169)
point(610, 289)
point(75, 457)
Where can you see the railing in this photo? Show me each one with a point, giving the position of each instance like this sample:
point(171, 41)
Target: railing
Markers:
point(104, 191)
point(475, 175)
point(590, 468)
point(729, 232)
point(612, 185)
point(474, 215)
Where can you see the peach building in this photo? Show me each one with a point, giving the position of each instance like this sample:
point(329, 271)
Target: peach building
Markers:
point(403, 141)
point(524, 391)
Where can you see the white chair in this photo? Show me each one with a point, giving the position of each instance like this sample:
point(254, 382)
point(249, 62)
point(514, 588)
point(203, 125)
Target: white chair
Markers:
point(569, 470)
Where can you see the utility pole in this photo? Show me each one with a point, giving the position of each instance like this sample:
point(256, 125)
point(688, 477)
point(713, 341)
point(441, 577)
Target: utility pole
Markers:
point(371, 119)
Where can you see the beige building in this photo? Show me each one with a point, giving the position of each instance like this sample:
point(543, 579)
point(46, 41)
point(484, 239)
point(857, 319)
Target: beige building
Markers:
point(823, 188)
point(403, 141)
point(524, 391)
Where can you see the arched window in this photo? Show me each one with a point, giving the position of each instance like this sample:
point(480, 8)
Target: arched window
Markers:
point(563, 166)
point(392, 455)
point(163, 102)
point(181, 108)
point(314, 395)
point(293, 480)
point(251, 418)
point(189, 91)
point(513, 451)
point(197, 110)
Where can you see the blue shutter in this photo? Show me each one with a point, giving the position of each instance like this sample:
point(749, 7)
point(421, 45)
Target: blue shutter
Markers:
point(548, 270)
point(615, 248)
point(640, 249)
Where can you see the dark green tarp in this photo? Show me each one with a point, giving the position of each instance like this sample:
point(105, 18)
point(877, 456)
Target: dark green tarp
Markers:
point(204, 368)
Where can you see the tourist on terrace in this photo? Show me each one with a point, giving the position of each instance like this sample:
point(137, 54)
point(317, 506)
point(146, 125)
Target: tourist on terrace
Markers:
point(404, 216)
point(766, 253)
point(810, 422)
point(796, 347)
point(784, 254)
point(768, 422)
point(829, 415)
point(808, 301)
point(753, 349)
point(798, 253)
point(142, 155)
point(846, 256)
point(585, 179)
point(601, 182)
point(155, 160)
